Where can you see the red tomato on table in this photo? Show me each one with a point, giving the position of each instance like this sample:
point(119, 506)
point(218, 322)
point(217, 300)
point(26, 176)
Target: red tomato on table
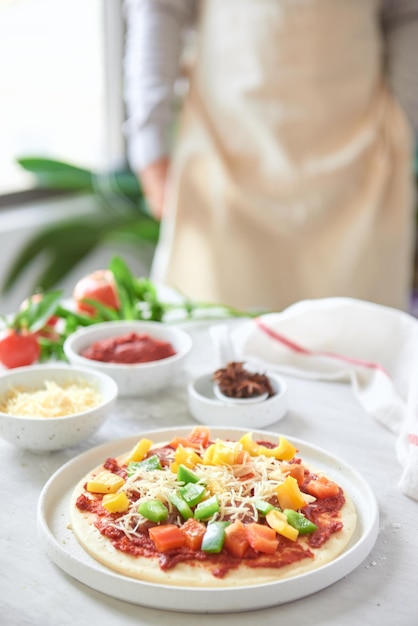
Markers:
point(18, 348)
point(99, 286)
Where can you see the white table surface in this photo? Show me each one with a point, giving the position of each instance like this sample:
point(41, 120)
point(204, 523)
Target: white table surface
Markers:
point(382, 590)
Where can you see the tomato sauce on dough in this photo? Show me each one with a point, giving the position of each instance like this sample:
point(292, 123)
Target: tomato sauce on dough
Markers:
point(325, 512)
point(130, 348)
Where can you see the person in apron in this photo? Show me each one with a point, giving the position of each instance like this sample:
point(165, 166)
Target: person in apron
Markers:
point(291, 176)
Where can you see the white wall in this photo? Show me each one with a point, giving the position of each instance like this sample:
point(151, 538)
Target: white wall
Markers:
point(18, 225)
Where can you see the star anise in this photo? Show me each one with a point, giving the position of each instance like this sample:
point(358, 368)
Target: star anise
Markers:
point(235, 381)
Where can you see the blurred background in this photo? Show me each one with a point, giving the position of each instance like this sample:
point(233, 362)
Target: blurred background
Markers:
point(61, 99)
point(52, 84)
point(68, 201)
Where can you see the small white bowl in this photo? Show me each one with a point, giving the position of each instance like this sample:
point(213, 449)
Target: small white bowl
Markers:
point(251, 399)
point(42, 434)
point(206, 408)
point(132, 379)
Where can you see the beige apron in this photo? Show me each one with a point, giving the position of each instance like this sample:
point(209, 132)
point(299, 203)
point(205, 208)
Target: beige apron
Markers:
point(292, 175)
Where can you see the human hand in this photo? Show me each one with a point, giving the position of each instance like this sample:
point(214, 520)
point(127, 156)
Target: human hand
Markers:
point(154, 179)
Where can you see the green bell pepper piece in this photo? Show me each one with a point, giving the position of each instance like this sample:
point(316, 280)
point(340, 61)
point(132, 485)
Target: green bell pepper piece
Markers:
point(207, 508)
point(147, 465)
point(154, 510)
point(186, 475)
point(192, 493)
point(181, 505)
point(214, 537)
point(300, 522)
point(264, 507)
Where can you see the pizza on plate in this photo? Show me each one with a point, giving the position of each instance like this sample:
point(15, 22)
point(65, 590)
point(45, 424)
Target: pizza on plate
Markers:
point(202, 511)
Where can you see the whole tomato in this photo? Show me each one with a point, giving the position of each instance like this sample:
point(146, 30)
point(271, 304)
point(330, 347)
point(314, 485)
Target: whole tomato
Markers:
point(99, 286)
point(18, 348)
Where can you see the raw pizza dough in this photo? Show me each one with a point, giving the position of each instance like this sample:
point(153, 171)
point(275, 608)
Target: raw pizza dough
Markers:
point(195, 573)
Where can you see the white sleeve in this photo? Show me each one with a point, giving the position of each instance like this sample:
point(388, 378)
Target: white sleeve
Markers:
point(400, 22)
point(153, 47)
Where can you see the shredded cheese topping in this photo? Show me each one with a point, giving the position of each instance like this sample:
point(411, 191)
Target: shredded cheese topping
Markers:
point(51, 401)
point(238, 488)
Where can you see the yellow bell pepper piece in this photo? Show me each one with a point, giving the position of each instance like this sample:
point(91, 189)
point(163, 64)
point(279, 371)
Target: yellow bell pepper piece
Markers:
point(139, 451)
point(283, 452)
point(249, 445)
point(289, 494)
point(278, 521)
point(226, 452)
point(116, 502)
point(105, 482)
point(208, 455)
point(185, 456)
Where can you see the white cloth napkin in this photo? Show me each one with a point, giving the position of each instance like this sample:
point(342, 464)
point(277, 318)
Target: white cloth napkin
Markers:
point(372, 347)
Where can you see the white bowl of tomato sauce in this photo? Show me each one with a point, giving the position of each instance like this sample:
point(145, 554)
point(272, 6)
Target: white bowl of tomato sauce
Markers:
point(142, 357)
point(49, 407)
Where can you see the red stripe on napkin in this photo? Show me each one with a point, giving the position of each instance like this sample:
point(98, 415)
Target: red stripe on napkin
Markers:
point(296, 347)
point(413, 438)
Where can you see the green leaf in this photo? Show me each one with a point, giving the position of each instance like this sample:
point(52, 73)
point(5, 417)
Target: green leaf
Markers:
point(146, 292)
point(146, 229)
point(64, 245)
point(74, 319)
point(53, 174)
point(126, 183)
point(103, 312)
point(36, 314)
point(123, 217)
point(51, 349)
point(61, 246)
point(122, 184)
point(125, 285)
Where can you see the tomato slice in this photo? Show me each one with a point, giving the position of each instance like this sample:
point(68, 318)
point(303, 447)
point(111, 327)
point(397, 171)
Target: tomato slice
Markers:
point(262, 538)
point(322, 487)
point(167, 537)
point(236, 540)
point(197, 438)
point(193, 532)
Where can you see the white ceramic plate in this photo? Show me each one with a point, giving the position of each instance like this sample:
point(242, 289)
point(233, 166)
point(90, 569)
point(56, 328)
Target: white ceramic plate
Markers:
point(65, 551)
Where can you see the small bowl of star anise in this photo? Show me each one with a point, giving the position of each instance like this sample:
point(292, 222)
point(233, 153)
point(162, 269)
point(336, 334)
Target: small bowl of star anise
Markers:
point(236, 395)
point(236, 383)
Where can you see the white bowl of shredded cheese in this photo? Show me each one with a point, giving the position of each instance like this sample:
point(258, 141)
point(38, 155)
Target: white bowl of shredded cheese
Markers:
point(53, 406)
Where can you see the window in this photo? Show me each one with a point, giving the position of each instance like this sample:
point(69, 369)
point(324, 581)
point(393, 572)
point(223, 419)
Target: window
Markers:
point(58, 59)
